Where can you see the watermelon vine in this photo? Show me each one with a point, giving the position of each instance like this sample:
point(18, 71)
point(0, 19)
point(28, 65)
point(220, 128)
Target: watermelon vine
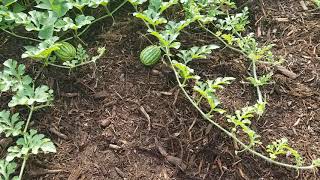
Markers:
point(51, 21)
point(228, 30)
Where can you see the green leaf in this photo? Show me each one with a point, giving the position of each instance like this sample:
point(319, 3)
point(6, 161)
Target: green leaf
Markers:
point(201, 88)
point(82, 20)
point(229, 38)
point(8, 2)
point(42, 22)
point(21, 84)
point(164, 42)
point(208, 91)
point(46, 32)
point(317, 2)
point(81, 55)
point(96, 3)
point(165, 5)
point(18, 7)
point(6, 82)
point(260, 107)
point(13, 77)
point(169, 36)
point(196, 53)
point(234, 23)
point(100, 52)
point(184, 71)
point(261, 81)
point(175, 45)
point(80, 4)
point(67, 23)
point(316, 162)
point(173, 27)
point(137, 2)
point(281, 147)
point(10, 126)
point(21, 18)
point(30, 143)
point(219, 82)
point(241, 120)
point(151, 17)
point(60, 7)
point(250, 47)
point(30, 96)
point(43, 50)
point(213, 102)
point(155, 5)
point(6, 169)
point(167, 39)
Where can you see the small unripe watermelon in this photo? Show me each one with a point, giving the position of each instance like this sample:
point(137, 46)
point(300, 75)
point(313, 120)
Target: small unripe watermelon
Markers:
point(66, 51)
point(150, 55)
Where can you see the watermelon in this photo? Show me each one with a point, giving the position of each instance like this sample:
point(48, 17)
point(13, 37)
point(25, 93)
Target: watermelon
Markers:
point(150, 55)
point(66, 51)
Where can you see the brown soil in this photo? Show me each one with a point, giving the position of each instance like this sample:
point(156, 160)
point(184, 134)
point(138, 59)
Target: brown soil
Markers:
point(115, 120)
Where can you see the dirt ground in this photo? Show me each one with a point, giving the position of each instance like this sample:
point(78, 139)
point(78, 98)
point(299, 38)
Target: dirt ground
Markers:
point(121, 120)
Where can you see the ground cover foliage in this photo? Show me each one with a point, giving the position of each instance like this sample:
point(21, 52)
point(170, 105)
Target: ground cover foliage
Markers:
point(51, 27)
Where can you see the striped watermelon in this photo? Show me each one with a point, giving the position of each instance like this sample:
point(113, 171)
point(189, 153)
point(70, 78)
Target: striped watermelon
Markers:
point(150, 55)
point(66, 51)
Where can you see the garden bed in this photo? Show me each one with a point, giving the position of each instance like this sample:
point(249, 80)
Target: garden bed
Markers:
point(115, 120)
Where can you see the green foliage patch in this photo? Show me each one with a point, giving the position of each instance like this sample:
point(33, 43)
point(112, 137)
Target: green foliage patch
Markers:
point(50, 21)
point(52, 25)
point(25, 93)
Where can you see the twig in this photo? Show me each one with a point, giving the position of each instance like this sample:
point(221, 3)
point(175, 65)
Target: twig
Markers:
point(143, 111)
point(59, 134)
point(46, 171)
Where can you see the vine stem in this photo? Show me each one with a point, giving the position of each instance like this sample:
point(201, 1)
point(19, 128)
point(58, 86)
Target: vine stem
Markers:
point(29, 118)
point(225, 43)
point(68, 67)
point(41, 106)
point(23, 166)
point(167, 53)
point(18, 36)
point(254, 71)
point(59, 66)
point(113, 20)
point(25, 158)
point(254, 68)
